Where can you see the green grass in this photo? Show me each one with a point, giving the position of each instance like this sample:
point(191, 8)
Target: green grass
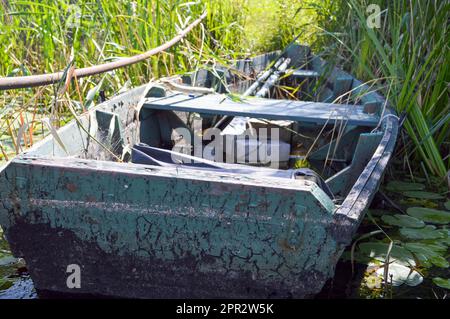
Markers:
point(410, 52)
point(41, 37)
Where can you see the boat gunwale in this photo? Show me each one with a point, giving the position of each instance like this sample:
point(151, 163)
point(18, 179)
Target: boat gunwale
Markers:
point(349, 215)
point(134, 170)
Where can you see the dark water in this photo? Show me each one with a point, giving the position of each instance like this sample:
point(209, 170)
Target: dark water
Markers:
point(343, 285)
point(21, 289)
point(15, 282)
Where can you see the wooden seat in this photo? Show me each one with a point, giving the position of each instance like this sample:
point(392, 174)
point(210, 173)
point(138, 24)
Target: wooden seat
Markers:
point(269, 109)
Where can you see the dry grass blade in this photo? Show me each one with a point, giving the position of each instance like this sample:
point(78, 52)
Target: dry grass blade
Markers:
point(46, 121)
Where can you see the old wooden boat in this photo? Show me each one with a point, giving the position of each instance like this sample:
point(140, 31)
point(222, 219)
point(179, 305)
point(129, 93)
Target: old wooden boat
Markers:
point(146, 224)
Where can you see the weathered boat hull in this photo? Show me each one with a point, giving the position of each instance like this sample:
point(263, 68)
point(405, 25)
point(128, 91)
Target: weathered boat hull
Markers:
point(136, 235)
point(141, 231)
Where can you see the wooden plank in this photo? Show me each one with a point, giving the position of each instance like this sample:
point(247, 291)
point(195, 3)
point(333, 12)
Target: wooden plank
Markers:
point(344, 147)
point(338, 182)
point(270, 109)
point(342, 85)
point(342, 182)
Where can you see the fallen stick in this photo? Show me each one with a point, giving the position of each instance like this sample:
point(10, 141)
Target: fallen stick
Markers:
point(19, 82)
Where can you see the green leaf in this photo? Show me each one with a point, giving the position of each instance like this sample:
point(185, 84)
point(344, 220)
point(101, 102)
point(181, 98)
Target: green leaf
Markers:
point(378, 250)
point(428, 254)
point(399, 186)
point(236, 97)
point(5, 284)
point(428, 232)
point(403, 221)
point(441, 282)
point(446, 239)
point(426, 248)
point(439, 261)
point(443, 241)
point(419, 202)
point(429, 215)
point(439, 245)
point(422, 195)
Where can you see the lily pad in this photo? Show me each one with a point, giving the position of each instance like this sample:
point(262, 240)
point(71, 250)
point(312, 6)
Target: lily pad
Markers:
point(399, 186)
point(399, 274)
point(440, 261)
point(442, 282)
point(5, 284)
point(422, 195)
point(447, 205)
point(428, 232)
point(446, 234)
point(403, 221)
point(428, 254)
point(419, 202)
point(438, 245)
point(443, 241)
point(430, 215)
point(378, 250)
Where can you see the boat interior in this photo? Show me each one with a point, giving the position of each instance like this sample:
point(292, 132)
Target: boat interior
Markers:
point(306, 120)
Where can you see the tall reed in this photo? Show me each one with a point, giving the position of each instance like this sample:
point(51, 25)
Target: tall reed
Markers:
point(410, 52)
point(47, 35)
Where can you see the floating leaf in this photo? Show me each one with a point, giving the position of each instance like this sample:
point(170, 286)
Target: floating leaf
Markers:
point(400, 274)
point(441, 282)
point(446, 239)
point(439, 261)
point(236, 98)
point(428, 254)
point(418, 202)
point(423, 260)
point(438, 245)
point(5, 284)
point(447, 205)
point(403, 221)
point(430, 215)
point(427, 248)
point(423, 195)
point(428, 232)
point(443, 241)
point(378, 250)
point(399, 186)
